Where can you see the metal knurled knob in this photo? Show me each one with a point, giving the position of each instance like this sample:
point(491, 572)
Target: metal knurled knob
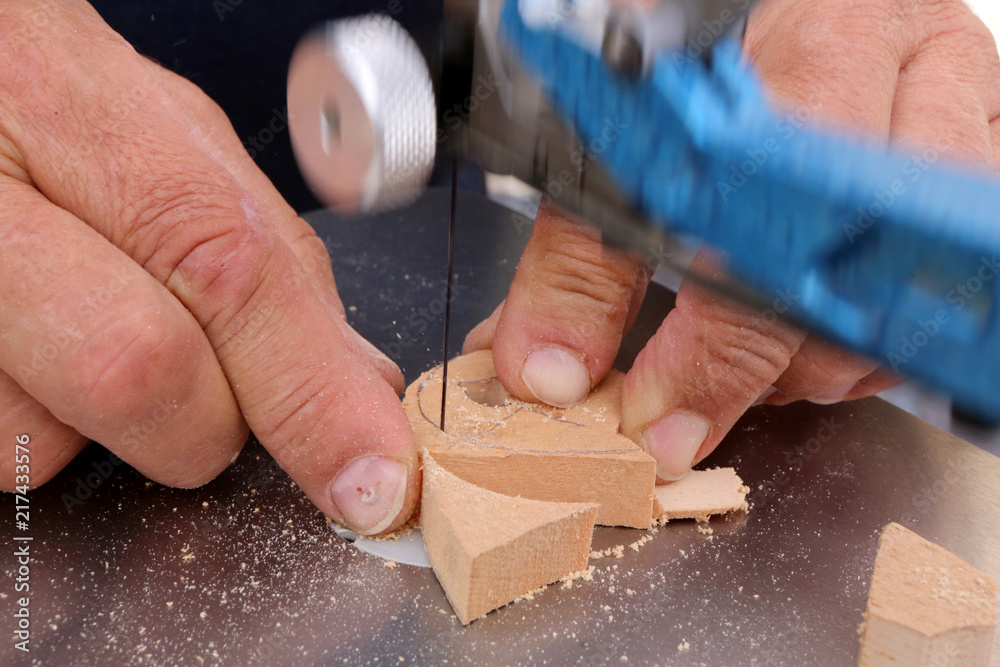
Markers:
point(362, 114)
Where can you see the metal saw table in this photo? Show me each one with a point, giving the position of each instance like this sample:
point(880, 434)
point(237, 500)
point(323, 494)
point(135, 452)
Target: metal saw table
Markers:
point(245, 571)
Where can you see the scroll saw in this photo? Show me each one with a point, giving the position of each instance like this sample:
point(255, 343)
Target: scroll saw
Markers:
point(649, 123)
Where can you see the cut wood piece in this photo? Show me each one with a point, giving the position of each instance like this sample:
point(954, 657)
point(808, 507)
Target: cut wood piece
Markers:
point(700, 494)
point(926, 606)
point(488, 549)
point(532, 450)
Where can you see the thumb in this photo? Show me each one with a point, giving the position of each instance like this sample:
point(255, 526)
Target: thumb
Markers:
point(571, 301)
point(710, 360)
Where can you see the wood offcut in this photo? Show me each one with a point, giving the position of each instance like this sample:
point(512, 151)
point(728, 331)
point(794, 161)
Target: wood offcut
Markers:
point(926, 606)
point(700, 494)
point(488, 549)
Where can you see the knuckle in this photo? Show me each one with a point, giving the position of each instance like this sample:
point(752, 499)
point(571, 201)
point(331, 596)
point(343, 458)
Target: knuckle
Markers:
point(209, 247)
point(123, 373)
point(744, 355)
point(942, 16)
point(315, 256)
point(803, 48)
point(289, 418)
point(593, 286)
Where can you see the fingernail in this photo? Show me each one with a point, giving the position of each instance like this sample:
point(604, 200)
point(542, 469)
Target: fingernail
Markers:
point(833, 396)
point(369, 493)
point(556, 377)
point(674, 441)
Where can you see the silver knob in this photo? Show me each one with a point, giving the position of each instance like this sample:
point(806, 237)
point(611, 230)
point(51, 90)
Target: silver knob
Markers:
point(362, 115)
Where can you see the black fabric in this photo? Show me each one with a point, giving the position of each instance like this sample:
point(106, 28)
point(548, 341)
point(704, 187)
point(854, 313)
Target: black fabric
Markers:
point(238, 51)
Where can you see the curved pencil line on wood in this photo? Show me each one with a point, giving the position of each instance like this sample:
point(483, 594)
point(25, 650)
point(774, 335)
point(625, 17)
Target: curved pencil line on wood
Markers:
point(473, 443)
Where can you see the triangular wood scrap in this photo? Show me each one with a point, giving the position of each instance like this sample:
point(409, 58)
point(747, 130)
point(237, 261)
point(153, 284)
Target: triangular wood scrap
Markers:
point(532, 450)
point(700, 494)
point(488, 549)
point(926, 606)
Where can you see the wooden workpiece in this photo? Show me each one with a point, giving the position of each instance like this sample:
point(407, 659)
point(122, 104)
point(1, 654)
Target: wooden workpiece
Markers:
point(926, 606)
point(488, 549)
point(701, 493)
point(532, 450)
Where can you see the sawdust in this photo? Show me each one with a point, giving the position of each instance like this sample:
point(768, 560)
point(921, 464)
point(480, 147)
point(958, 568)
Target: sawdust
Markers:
point(640, 543)
point(530, 595)
point(617, 552)
point(584, 575)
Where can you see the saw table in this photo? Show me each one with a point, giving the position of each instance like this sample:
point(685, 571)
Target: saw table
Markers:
point(245, 571)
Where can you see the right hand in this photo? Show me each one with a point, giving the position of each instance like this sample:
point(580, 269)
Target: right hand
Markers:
point(158, 295)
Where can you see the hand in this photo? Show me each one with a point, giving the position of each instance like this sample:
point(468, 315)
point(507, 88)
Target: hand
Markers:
point(158, 296)
point(914, 72)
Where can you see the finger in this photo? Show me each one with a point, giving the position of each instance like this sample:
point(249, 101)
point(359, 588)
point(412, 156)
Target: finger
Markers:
point(836, 66)
point(851, 86)
point(876, 382)
point(995, 138)
point(948, 88)
point(212, 129)
point(383, 365)
point(107, 349)
point(321, 408)
point(821, 372)
point(51, 444)
point(709, 361)
point(481, 336)
point(567, 310)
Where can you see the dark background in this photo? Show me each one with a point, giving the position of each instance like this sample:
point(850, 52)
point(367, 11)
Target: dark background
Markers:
point(238, 52)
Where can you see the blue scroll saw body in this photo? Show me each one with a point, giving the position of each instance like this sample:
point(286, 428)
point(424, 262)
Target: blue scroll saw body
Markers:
point(888, 253)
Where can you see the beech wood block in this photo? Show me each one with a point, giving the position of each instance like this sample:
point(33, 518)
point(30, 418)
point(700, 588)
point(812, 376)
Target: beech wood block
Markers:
point(701, 493)
point(926, 606)
point(488, 549)
point(534, 450)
